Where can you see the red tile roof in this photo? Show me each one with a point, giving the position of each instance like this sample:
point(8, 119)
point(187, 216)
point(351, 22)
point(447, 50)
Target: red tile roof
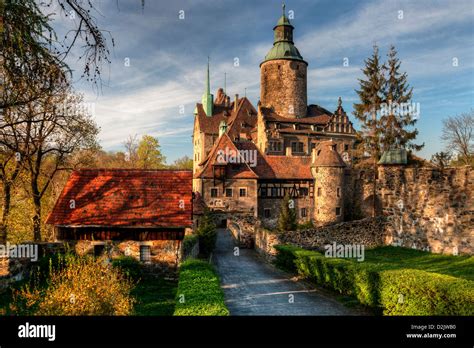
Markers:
point(316, 115)
point(125, 197)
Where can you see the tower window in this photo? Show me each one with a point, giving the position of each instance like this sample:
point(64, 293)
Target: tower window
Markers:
point(338, 192)
point(214, 192)
point(319, 191)
point(243, 192)
point(228, 192)
point(303, 212)
point(346, 147)
point(338, 211)
point(267, 213)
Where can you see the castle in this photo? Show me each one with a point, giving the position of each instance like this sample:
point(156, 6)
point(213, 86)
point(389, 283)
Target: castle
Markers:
point(246, 160)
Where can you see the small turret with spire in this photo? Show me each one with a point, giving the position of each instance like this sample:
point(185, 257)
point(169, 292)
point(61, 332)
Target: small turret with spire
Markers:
point(207, 98)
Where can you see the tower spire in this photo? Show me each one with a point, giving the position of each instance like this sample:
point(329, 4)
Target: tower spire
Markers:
point(208, 80)
point(207, 98)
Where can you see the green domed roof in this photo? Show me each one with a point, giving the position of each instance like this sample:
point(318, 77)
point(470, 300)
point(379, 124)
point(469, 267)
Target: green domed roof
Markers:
point(283, 50)
point(283, 46)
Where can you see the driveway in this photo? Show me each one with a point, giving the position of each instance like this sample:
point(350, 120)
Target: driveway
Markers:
point(254, 287)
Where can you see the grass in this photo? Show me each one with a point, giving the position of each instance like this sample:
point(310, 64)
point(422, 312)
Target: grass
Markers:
point(391, 280)
point(389, 257)
point(155, 296)
point(199, 292)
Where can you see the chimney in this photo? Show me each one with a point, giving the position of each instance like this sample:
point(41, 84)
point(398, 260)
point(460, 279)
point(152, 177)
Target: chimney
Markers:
point(236, 102)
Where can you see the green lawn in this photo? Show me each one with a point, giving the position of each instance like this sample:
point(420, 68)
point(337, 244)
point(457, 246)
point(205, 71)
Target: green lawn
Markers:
point(155, 296)
point(389, 257)
point(391, 280)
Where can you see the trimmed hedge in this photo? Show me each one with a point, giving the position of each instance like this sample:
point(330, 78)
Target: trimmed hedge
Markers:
point(199, 292)
point(394, 292)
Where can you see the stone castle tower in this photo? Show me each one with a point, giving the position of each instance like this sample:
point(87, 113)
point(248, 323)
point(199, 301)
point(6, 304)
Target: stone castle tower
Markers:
point(328, 172)
point(283, 84)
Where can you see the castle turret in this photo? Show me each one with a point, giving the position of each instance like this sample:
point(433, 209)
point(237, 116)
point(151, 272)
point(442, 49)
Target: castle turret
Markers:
point(328, 172)
point(283, 84)
point(207, 99)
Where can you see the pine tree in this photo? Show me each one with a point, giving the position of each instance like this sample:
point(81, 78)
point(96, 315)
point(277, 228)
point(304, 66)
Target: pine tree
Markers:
point(397, 117)
point(287, 217)
point(371, 98)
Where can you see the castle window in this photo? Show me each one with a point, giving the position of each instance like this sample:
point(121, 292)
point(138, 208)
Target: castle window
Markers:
point(243, 192)
point(303, 212)
point(145, 253)
point(303, 191)
point(338, 192)
point(319, 191)
point(274, 192)
point(338, 211)
point(297, 147)
point(346, 147)
point(264, 192)
point(214, 192)
point(267, 213)
point(228, 192)
point(275, 146)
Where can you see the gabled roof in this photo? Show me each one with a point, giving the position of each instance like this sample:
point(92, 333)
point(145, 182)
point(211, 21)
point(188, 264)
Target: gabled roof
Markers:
point(233, 171)
point(126, 198)
point(278, 167)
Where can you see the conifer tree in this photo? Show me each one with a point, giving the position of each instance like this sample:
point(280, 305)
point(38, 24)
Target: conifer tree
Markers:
point(371, 97)
point(397, 116)
point(287, 217)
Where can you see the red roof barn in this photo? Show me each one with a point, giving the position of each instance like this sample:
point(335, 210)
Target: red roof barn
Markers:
point(124, 204)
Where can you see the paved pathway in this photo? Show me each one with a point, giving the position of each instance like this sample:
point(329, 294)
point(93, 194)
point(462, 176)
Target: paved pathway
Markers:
point(254, 287)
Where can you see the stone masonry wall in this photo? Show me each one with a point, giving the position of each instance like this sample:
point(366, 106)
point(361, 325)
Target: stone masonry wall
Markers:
point(283, 87)
point(430, 209)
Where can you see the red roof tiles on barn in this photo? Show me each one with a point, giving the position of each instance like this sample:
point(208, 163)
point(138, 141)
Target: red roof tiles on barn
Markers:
point(126, 198)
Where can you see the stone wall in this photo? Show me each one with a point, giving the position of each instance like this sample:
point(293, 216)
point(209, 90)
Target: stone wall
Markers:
point(243, 229)
point(430, 209)
point(165, 254)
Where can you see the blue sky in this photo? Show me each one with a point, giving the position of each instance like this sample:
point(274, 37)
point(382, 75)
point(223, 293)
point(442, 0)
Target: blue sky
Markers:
point(168, 58)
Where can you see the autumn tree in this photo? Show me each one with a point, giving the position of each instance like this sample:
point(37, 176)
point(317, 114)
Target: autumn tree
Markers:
point(183, 163)
point(149, 154)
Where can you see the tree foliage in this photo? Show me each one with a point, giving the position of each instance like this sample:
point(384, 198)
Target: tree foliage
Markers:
point(287, 216)
point(458, 136)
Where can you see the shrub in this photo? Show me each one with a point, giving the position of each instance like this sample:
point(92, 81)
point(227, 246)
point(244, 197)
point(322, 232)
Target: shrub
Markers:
point(287, 217)
point(199, 292)
point(395, 292)
point(189, 242)
point(129, 266)
point(83, 286)
point(207, 234)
